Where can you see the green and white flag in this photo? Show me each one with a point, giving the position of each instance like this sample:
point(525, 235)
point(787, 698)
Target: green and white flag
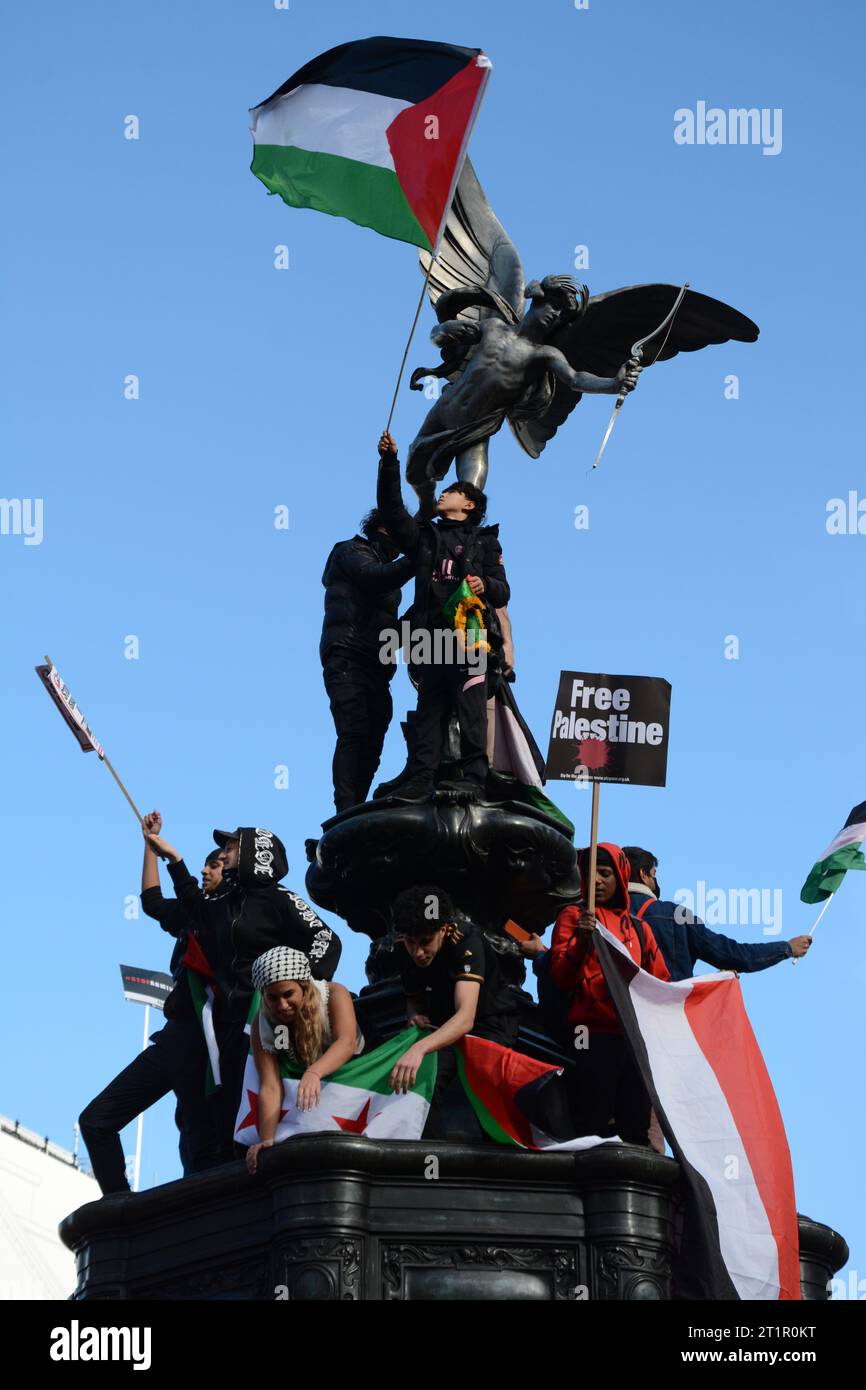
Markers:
point(356, 1099)
point(843, 853)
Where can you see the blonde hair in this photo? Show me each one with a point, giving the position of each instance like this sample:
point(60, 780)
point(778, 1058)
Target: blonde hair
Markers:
point(308, 1025)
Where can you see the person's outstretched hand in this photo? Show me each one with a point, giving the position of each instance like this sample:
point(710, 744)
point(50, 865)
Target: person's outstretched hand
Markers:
point(387, 444)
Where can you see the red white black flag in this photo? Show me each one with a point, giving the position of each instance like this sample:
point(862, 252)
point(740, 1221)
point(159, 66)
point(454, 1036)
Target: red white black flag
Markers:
point(703, 1069)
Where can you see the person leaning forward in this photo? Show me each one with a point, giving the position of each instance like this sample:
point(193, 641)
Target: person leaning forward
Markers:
point(453, 984)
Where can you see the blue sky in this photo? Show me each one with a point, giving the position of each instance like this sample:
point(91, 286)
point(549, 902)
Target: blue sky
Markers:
point(261, 388)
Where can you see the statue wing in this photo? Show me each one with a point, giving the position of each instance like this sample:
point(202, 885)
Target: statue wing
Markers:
point(478, 270)
point(601, 340)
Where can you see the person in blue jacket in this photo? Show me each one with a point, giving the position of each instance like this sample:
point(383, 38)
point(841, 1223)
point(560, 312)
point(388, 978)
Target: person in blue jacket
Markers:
point(683, 939)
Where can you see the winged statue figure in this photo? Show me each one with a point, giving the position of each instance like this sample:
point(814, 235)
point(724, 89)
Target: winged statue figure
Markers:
point(532, 365)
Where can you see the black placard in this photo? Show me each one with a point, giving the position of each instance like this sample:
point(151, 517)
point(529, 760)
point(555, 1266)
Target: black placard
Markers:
point(610, 729)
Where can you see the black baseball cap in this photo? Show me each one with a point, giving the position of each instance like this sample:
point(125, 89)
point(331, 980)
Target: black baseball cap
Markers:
point(222, 837)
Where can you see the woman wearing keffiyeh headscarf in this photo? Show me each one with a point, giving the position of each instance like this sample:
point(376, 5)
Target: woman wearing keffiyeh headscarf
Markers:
point(311, 1022)
point(608, 1095)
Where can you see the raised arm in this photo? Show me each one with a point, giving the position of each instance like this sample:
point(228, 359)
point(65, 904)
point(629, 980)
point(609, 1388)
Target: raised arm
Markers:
point(372, 575)
point(402, 528)
point(151, 825)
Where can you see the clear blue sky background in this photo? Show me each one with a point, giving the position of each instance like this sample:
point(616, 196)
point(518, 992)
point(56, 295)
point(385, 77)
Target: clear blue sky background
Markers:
point(262, 387)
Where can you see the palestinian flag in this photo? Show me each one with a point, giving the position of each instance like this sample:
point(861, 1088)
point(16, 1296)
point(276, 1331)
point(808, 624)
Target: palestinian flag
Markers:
point(375, 131)
point(518, 1100)
point(203, 992)
point(355, 1099)
point(843, 853)
point(703, 1069)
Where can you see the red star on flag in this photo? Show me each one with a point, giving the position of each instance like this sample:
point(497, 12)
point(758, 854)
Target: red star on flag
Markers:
point(359, 1124)
point(253, 1117)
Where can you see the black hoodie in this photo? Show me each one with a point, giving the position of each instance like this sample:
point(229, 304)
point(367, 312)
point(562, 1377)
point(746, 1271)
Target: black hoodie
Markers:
point(252, 914)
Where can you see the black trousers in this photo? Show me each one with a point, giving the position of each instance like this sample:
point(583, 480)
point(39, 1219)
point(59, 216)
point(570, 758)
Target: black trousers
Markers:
point(234, 1045)
point(441, 689)
point(361, 706)
point(608, 1095)
point(175, 1061)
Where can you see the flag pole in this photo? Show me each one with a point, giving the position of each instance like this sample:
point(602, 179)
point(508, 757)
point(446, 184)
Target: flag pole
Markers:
point(593, 848)
point(811, 931)
point(409, 342)
point(136, 811)
point(136, 1172)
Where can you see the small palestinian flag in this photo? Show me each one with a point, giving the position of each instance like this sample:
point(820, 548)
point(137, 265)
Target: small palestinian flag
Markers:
point(843, 853)
point(355, 1099)
point(374, 131)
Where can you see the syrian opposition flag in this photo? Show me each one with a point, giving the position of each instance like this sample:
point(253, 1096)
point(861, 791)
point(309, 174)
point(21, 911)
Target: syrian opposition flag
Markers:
point(703, 1069)
point(355, 1099)
point(843, 853)
point(374, 131)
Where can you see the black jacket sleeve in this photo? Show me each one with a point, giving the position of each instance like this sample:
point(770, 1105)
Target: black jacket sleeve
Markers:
point(496, 588)
point(372, 575)
point(189, 894)
point(167, 911)
point(308, 933)
point(402, 528)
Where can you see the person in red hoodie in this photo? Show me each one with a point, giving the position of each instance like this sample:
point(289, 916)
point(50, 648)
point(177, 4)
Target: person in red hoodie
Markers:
point(607, 1092)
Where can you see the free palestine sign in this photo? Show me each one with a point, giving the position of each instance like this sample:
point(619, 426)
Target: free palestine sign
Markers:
point(610, 729)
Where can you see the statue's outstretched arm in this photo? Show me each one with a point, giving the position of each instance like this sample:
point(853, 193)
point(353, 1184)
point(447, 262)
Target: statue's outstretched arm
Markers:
point(559, 365)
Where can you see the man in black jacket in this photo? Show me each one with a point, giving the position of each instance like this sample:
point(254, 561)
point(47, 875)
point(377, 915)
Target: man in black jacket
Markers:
point(177, 1058)
point(250, 914)
point(362, 582)
point(445, 551)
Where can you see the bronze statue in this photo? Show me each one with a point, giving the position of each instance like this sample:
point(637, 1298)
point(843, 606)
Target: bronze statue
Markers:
point(532, 368)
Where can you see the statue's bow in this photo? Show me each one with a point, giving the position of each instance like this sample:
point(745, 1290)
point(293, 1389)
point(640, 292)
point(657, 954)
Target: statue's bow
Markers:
point(636, 355)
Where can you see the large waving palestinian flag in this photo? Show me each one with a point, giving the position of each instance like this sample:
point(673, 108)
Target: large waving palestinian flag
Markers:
point(374, 131)
point(843, 853)
point(701, 1064)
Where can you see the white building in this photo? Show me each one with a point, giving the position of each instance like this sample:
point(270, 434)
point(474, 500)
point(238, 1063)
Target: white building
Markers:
point(39, 1185)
